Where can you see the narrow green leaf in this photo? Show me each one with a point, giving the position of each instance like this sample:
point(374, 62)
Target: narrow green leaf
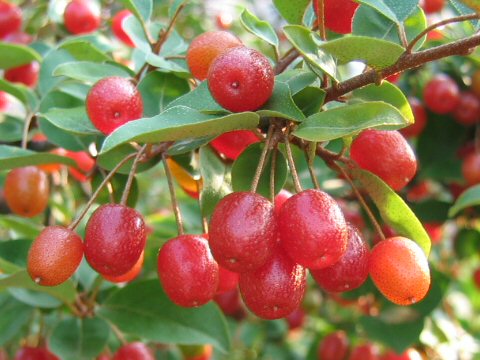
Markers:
point(74, 120)
point(388, 93)
point(217, 182)
point(178, 123)
point(245, 165)
point(34, 298)
point(292, 11)
point(66, 140)
point(470, 197)
point(65, 292)
point(307, 43)
point(79, 339)
point(167, 66)
point(84, 51)
point(13, 317)
point(376, 53)
point(187, 145)
point(133, 27)
point(22, 227)
point(11, 128)
point(381, 7)
point(350, 120)
point(142, 9)
point(14, 55)
point(53, 59)
point(259, 28)
point(12, 157)
point(297, 79)
point(281, 104)
point(143, 309)
point(199, 99)
point(89, 71)
point(394, 211)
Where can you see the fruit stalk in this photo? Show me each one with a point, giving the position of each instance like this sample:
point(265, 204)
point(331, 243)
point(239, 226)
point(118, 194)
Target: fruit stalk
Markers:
point(173, 196)
point(131, 175)
point(291, 164)
point(261, 161)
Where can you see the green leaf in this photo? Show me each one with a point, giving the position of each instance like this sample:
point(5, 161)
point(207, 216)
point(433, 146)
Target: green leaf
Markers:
point(371, 23)
point(187, 145)
point(292, 11)
point(135, 31)
point(111, 159)
point(50, 62)
point(297, 79)
point(142, 9)
point(310, 100)
point(12, 157)
point(392, 9)
point(199, 99)
point(259, 28)
point(79, 339)
point(398, 336)
point(21, 92)
point(469, 198)
point(388, 93)
point(83, 50)
point(89, 71)
point(159, 89)
point(74, 120)
point(13, 253)
point(13, 317)
point(14, 55)
point(11, 128)
point(142, 309)
point(350, 120)
point(394, 211)
point(217, 180)
point(168, 66)
point(65, 292)
point(178, 123)
point(34, 298)
point(376, 53)
point(175, 6)
point(244, 168)
point(20, 226)
point(281, 104)
point(307, 43)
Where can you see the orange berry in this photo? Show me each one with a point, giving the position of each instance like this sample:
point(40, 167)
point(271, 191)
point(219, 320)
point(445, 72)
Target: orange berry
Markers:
point(130, 274)
point(54, 256)
point(399, 269)
point(205, 48)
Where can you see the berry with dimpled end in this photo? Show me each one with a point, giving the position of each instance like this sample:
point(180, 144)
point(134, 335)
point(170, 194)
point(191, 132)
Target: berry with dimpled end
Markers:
point(10, 18)
point(114, 239)
point(54, 256)
point(312, 229)
point(112, 102)
point(351, 271)
point(441, 94)
point(187, 270)
point(386, 154)
point(276, 289)
point(243, 231)
point(241, 79)
point(117, 27)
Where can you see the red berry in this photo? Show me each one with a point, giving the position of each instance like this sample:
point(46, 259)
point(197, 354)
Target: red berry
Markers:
point(420, 116)
point(241, 79)
point(10, 18)
point(25, 74)
point(229, 302)
point(34, 353)
point(243, 231)
point(366, 351)
point(312, 229)
point(187, 270)
point(339, 15)
point(280, 199)
point(131, 274)
point(467, 111)
point(114, 239)
point(441, 94)
point(117, 27)
point(399, 269)
point(81, 17)
point(435, 231)
point(333, 346)
point(27, 191)
point(471, 168)
point(233, 143)
point(351, 270)
point(85, 164)
point(296, 319)
point(205, 48)
point(18, 37)
point(227, 280)
point(394, 77)
point(476, 278)
point(112, 102)
point(3, 100)
point(432, 6)
point(134, 351)
point(54, 256)
point(409, 354)
point(274, 290)
point(386, 154)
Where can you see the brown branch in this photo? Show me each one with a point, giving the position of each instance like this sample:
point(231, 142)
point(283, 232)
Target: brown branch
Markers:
point(283, 63)
point(405, 62)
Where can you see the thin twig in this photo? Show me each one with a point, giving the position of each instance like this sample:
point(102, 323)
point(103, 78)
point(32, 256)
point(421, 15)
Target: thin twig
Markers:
point(272, 174)
point(310, 161)
point(109, 186)
point(131, 175)
point(95, 194)
point(402, 34)
point(321, 19)
point(173, 196)
point(417, 38)
point(291, 164)
point(118, 333)
point(26, 128)
point(283, 63)
point(261, 161)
